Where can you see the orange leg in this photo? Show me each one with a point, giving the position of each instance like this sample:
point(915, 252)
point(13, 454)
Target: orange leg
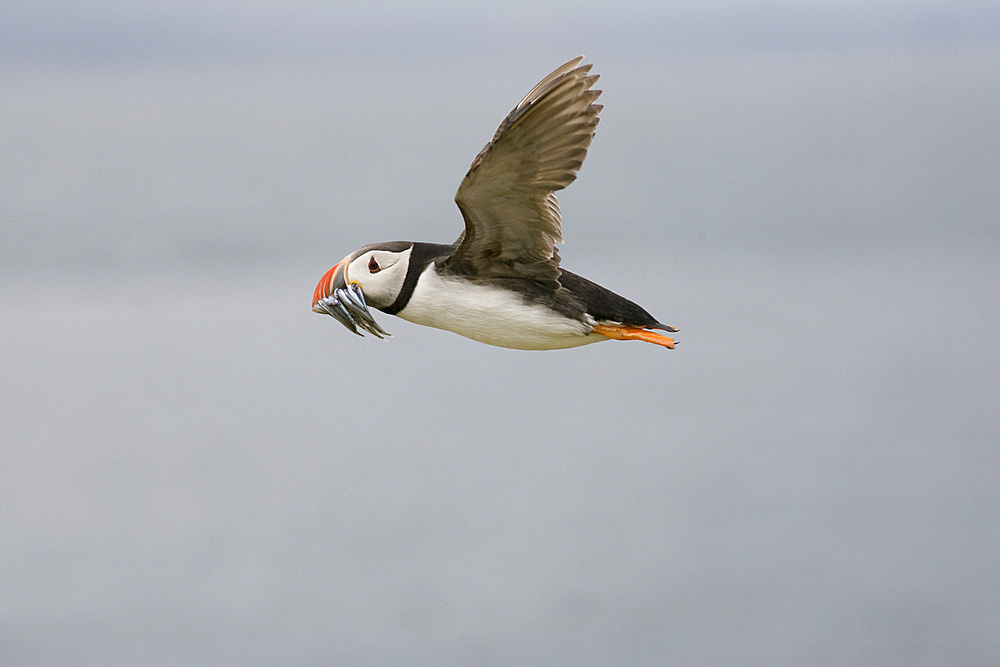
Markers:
point(622, 332)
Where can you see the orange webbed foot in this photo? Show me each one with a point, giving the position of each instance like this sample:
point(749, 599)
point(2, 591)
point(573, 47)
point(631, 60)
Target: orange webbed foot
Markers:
point(623, 332)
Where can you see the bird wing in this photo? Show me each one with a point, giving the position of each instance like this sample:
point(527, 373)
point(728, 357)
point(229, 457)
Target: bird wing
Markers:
point(512, 219)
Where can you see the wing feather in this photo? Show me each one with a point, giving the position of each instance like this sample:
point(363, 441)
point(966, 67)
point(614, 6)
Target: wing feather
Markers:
point(512, 218)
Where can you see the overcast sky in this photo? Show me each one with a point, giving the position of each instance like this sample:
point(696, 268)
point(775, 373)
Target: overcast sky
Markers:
point(197, 469)
point(238, 31)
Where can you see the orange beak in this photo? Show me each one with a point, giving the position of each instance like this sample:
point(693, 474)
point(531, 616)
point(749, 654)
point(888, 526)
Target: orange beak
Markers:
point(325, 286)
point(333, 279)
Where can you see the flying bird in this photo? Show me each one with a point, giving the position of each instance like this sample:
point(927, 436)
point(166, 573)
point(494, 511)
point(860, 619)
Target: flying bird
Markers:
point(500, 283)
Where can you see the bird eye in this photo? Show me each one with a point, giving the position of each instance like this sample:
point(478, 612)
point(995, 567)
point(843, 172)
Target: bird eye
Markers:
point(373, 266)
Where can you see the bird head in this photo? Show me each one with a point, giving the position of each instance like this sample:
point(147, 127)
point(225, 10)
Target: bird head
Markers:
point(369, 276)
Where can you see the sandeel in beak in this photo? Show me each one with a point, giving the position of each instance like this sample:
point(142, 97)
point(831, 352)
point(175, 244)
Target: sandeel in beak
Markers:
point(346, 304)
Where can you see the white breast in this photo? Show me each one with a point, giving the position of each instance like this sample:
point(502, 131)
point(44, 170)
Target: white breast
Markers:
point(492, 315)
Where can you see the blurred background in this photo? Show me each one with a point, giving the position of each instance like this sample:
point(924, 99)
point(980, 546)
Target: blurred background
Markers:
point(196, 469)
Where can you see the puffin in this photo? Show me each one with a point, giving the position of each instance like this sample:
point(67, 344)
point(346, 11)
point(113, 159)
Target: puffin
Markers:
point(500, 282)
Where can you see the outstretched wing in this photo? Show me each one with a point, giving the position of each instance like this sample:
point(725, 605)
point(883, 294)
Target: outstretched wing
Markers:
point(512, 219)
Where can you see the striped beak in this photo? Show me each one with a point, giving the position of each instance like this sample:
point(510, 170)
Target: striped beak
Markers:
point(345, 302)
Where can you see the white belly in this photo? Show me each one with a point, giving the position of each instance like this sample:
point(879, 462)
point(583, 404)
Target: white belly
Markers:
point(492, 315)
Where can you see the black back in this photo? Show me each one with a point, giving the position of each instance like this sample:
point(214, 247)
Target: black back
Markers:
point(603, 304)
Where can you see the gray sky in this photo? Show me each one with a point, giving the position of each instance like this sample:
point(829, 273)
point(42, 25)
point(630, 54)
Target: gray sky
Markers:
point(197, 469)
point(236, 31)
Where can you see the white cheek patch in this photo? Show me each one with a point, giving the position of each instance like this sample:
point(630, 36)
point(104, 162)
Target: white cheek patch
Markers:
point(382, 287)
